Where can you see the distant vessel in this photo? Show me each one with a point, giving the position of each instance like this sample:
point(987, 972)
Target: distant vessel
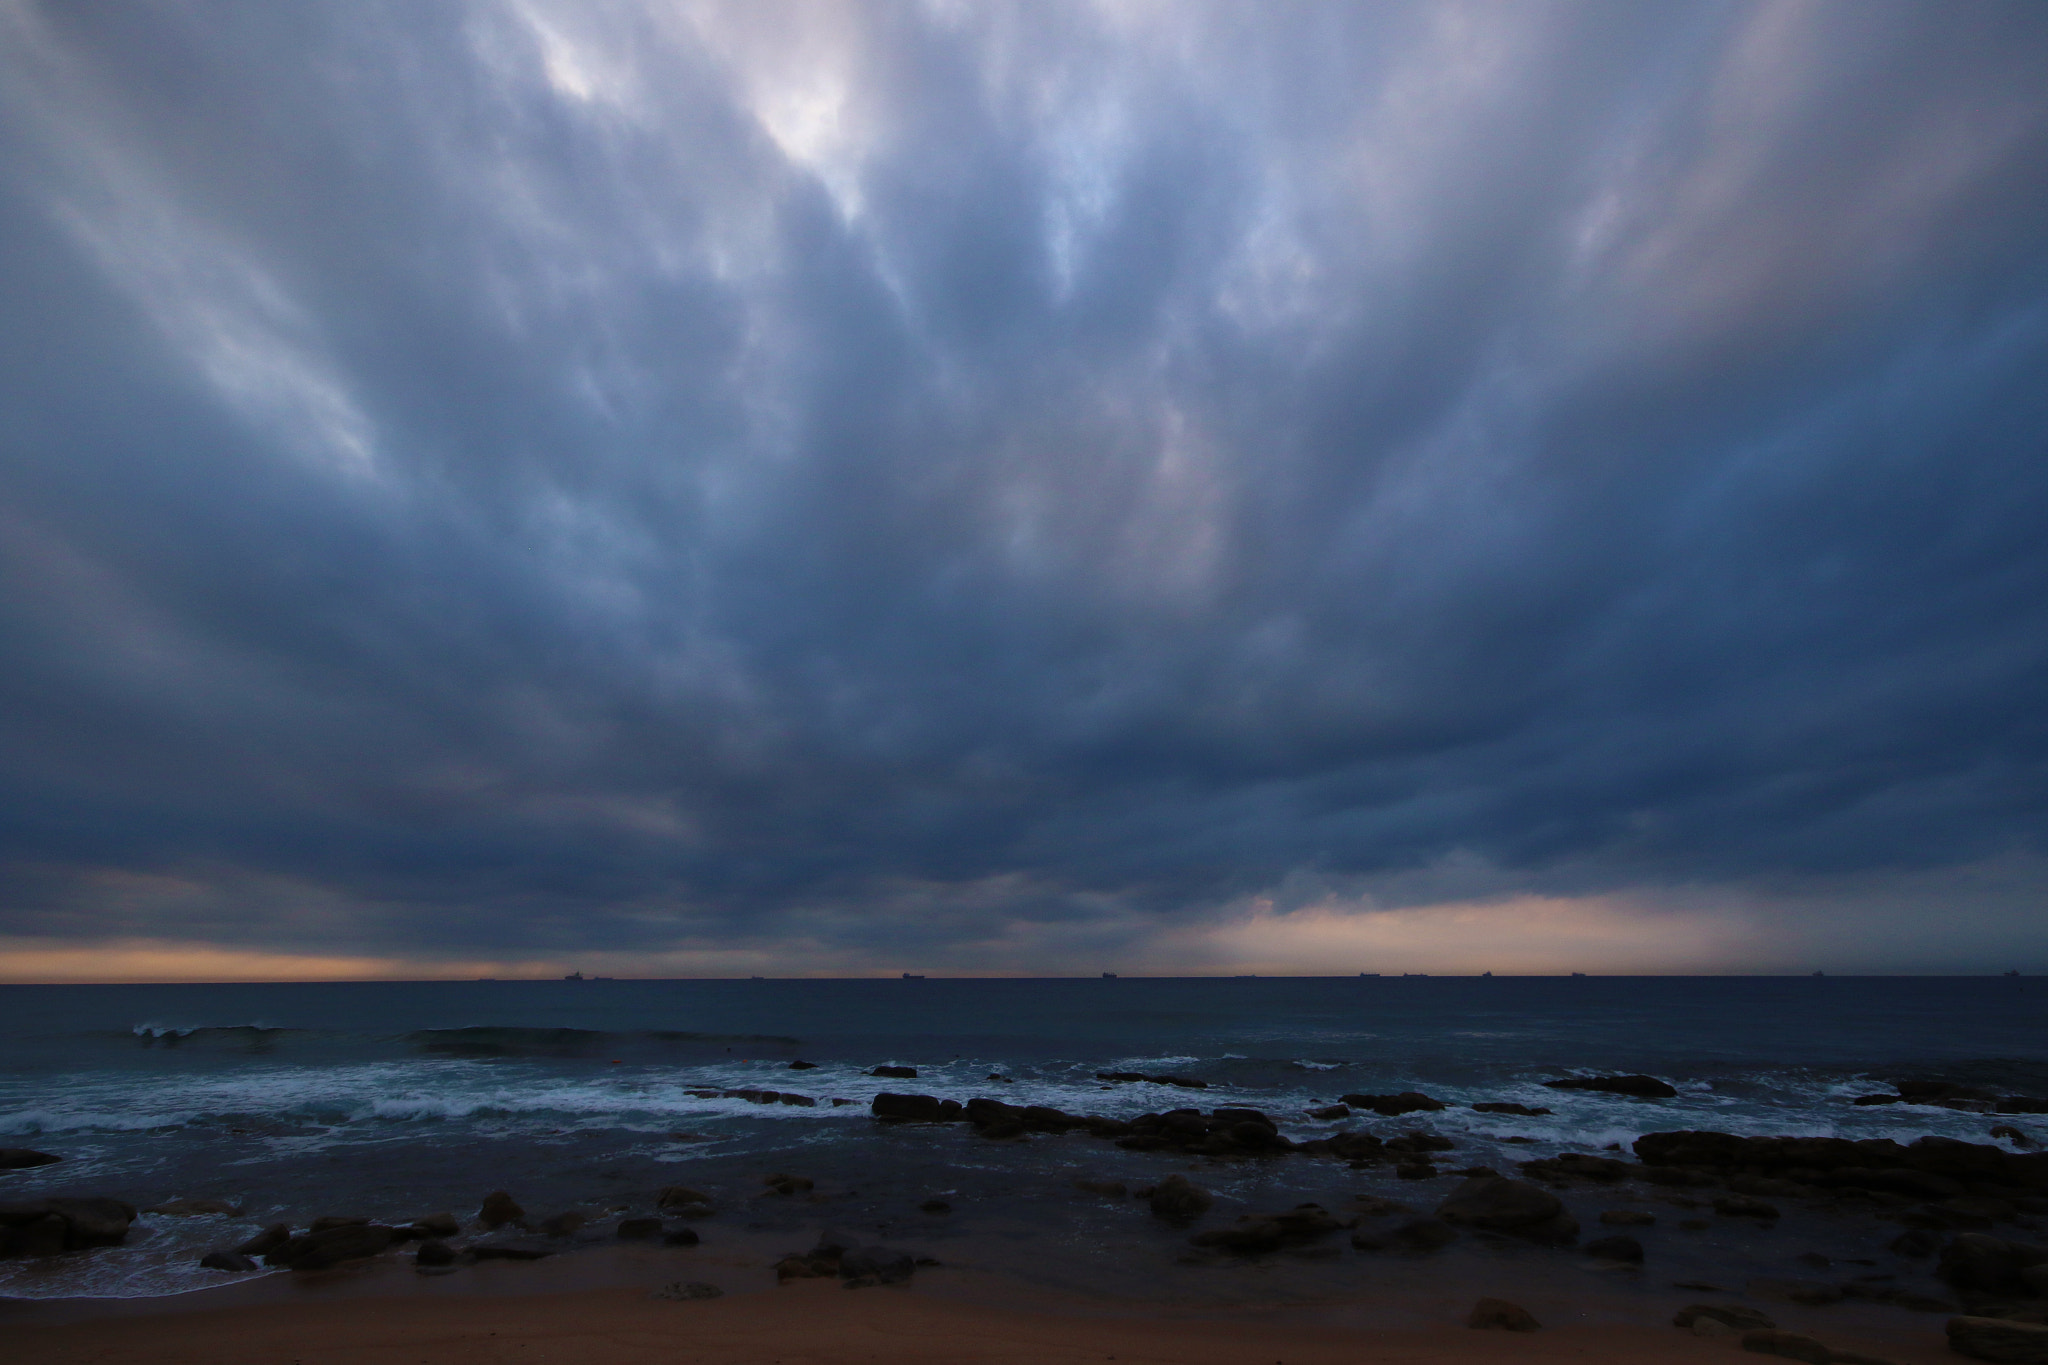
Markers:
point(1368, 973)
point(1820, 973)
point(2013, 972)
point(573, 976)
point(1109, 976)
point(912, 976)
point(1578, 973)
point(1486, 973)
point(1415, 973)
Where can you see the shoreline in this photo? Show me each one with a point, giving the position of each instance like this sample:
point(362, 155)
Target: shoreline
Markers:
point(357, 1318)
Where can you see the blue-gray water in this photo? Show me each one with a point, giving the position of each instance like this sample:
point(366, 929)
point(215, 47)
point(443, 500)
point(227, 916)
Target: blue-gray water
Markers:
point(390, 1100)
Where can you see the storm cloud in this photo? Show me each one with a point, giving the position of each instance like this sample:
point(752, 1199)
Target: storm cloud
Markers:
point(1008, 485)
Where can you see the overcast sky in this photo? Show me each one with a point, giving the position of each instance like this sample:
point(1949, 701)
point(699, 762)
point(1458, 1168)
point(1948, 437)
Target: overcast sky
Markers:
point(682, 489)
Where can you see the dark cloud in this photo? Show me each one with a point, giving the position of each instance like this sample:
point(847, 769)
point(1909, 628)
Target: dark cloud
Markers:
point(541, 478)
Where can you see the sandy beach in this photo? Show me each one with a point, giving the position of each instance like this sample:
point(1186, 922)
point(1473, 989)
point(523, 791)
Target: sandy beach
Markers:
point(802, 1324)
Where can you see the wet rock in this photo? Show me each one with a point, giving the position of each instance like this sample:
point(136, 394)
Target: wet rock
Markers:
point(331, 1221)
point(1415, 1170)
point(1178, 1199)
point(1254, 1234)
point(564, 1224)
point(22, 1158)
point(684, 1236)
point(1738, 1316)
point(934, 1206)
point(862, 1266)
point(1415, 1235)
point(1625, 1249)
point(331, 1246)
point(1569, 1166)
point(1108, 1189)
point(1329, 1113)
point(915, 1108)
point(803, 1066)
point(1743, 1206)
point(436, 1225)
point(1815, 1158)
point(1420, 1142)
point(804, 1268)
point(44, 1226)
point(900, 1073)
point(432, 1252)
point(1637, 1087)
point(788, 1184)
point(639, 1229)
point(1500, 1315)
point(499, 1208)
point(2011, 1134)
point(1770, 1341)
point(2010, 1343)
point(515, 1249)
point(194, 1208)
point(685, 1290)
point(1515, 1207)
point(1393, 1106)
point(683, 1201)
point(1978, 1263)
point(227, 1260)
point(1184, 1082)
point(266, 1241)
point(1507, 1107)
point(1628, 1218)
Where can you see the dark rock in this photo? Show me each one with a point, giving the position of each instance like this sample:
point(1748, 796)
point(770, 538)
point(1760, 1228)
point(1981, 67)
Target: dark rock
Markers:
point(804, 1268)
point(433, 1251)
point(1916, 1242)
point(684, 1291)
point(195, 1208)
point(934, 1206)
point(1393, 1106)
point(1743, 1206)
point(803, 1066)
point(266, 1241)
point(2010, 1343)
point(2012, 1135)
point(788, 1184)
point(1638, 1087)
point(1511, 1206)
point(680, 1237)
point(564, 1224)
point(1506, 1107)
point(1809, 1293)
point(517, 1249)
point(1738, 1316)
point(1415, 1170)
point(45, 1226)
point(860, 1266)
point(42, 1235)
point(900, 1073)
point(1178, 1199)
point(1331, 1112)
point(1500, 1315)
point(1421, 1142)
point(331, 1221)
point(1770, 1341)
point(673, 1198)
point(227, 1260)
point(499, 1208)
point(1254, 1234)
point(1818, 1156)
point(1626, 1249)
point(1578, 1165)
point(1628, 1218)
point(639, 1229)
point(436, 1225)
point(1975, 1262)
point(915, 1108)
point(21, 1158)
point(1108, 1189)
point(1423, 1234)
point(1875, 1099)
point(331, 1246)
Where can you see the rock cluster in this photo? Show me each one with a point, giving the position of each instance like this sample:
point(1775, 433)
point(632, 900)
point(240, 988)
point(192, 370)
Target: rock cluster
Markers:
point(1952, 1095)
point(1185, 1082)
point(1254, 1234)
point(41, 1227)
point(1638, 1087)
point(1514, 1207)
point(754, 1096)
point(839, 1256)
point(1393, 1106)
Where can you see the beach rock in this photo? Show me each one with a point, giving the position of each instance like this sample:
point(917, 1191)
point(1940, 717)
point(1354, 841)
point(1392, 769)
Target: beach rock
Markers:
point(1978, 1263)
point(1254, 1234)
point(1329, 1113)
point(43, 1227)
point(682, 1199)
point(1496, 1204)
point(1743, 1206)
point(639, 1229)
point(499, 1208)
point(1638, 1087)
point(1507, 1107)
point(1733, 1315)
point(862, 1266)
point(332, 1221)
point(680, 1237)
point(915, 1108)
point(331, 1246)
point(194, 1208)
point(1626, 1249)
point(900, 1073)
point(1178, 1199)
point(515, 1249)
point(1569, 1166)
point(1769, 1341)
point(804, 1268)
point(1628, 1218)
point(433, 1251)
point(266, 1241)
point(2010, 1343)
point(1500, 1315)
point(1393, 1106)
point(436, 1225)
point(564, 1224)
point(226, 1260)
point(22, 1158)
point(788, 1184)
point(683, 1291)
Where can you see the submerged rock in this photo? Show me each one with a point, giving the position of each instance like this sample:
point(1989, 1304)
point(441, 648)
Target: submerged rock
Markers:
point(499, 1208)
point(900, 1073)
point(1508, 1107)
point(1515, 1207)
point(22, 1158)
point(1393, 1106)
point(1638, 1087)
point(1178, 1199)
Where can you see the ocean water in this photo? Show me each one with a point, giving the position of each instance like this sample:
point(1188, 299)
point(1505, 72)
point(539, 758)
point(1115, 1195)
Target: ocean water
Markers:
point(391, 1100)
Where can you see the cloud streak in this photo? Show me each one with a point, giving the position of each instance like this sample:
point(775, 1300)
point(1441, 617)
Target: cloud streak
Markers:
point(514, 481)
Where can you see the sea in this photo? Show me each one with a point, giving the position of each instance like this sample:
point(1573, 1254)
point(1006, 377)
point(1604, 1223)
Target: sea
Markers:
point(394, 1099)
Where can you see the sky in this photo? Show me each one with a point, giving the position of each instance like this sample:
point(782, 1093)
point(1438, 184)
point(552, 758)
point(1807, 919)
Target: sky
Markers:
point(677, 489)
